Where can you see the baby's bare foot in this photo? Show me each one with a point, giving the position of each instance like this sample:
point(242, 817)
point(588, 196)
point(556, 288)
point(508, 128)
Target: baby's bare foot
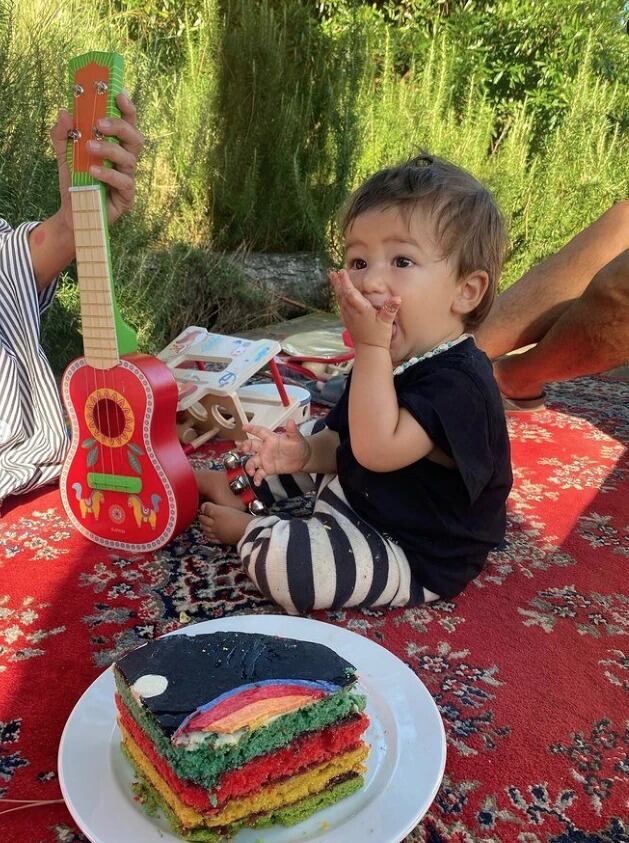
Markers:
point(223, 524)
point(214, 486)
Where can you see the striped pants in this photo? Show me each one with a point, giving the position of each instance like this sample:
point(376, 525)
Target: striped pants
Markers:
point(329, 560)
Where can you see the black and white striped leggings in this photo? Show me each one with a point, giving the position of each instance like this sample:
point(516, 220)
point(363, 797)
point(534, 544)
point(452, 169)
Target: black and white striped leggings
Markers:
point(328, 560)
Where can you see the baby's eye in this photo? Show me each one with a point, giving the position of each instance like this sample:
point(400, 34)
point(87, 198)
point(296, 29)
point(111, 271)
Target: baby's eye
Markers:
point(357, 263)
point(402, 262)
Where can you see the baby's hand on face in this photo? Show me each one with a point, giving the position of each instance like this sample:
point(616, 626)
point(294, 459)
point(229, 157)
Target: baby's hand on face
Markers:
point(365, 323)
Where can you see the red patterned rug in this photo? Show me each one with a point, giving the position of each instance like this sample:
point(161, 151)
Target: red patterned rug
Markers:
point(529, 667)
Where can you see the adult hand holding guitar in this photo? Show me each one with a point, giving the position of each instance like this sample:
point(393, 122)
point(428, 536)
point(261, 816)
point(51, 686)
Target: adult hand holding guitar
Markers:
point(52, 243)
point(33, 439)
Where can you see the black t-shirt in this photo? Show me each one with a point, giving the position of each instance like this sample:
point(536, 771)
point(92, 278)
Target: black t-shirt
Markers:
point(445, 519)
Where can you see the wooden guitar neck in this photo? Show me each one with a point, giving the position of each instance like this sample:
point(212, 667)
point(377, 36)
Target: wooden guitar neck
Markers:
point(92, 254)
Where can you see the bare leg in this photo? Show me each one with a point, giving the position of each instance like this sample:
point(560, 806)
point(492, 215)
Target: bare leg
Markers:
point(591, 336)
point(214, 486)
point(527, 311)
point(223, 524)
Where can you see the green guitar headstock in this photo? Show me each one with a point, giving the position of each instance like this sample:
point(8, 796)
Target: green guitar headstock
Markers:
point(95, 82)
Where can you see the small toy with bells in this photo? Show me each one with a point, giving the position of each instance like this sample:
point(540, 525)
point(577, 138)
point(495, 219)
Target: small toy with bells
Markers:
point(240, 482)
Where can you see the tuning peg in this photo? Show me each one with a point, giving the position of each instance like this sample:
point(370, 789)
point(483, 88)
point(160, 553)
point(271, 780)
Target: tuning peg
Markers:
point(77, 90)
point(74, 135)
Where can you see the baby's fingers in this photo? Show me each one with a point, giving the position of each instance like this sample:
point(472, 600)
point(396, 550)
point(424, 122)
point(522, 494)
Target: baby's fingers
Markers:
point(258, 476)
point(250, 466)
point(292, 431)
point(348, 296)
point(389, 309)
point(258, 432)
point(251, 447)
point(341, 282)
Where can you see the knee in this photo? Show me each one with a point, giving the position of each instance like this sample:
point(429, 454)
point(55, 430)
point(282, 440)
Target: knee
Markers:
point(267, 564)
point(610, 285)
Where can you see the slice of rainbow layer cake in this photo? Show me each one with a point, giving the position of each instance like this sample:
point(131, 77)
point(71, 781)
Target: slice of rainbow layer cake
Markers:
point(234, 729)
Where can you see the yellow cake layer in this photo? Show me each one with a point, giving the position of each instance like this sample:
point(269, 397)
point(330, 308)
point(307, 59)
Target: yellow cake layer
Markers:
point(266, 799)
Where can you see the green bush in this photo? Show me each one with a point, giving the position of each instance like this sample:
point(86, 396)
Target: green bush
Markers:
point(523, 50)
point(547, 196)
point(281, 161)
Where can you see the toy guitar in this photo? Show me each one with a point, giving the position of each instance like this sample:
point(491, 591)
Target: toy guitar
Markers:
point(126, 483)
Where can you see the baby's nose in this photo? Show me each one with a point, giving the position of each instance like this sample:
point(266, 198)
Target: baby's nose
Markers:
point(373, 280)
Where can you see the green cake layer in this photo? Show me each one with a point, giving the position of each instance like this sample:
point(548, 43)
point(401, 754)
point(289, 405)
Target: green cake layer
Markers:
point(207, 763)
point(288, 815)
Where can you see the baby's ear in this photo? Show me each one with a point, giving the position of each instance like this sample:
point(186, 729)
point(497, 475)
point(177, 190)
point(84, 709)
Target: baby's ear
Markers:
point(470, 292)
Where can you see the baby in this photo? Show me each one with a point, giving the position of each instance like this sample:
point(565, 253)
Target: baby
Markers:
point(411, 468)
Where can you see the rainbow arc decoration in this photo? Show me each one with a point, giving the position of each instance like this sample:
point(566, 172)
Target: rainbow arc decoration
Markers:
point(253, 706)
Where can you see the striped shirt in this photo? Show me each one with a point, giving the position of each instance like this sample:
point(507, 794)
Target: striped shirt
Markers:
point(33, 437)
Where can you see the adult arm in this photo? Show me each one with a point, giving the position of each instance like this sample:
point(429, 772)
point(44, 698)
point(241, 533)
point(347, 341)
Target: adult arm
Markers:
point(530, 307)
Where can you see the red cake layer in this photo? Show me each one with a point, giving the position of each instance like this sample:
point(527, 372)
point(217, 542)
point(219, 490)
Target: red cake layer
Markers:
point(313, 748)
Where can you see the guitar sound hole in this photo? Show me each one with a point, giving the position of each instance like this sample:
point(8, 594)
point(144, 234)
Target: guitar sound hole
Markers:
point(109, 418)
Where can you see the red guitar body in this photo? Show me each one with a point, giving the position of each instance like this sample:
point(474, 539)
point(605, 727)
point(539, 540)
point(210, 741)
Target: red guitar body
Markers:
point(126, 483)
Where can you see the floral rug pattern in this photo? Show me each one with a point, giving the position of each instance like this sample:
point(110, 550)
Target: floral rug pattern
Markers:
point(529, 667)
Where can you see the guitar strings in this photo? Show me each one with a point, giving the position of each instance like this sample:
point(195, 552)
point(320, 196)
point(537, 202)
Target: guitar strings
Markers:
point(85, 373)
point(98, 417)
point(102, 203)
point(110, 381)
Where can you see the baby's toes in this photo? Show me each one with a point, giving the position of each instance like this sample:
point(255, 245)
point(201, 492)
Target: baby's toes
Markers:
point(206, 522)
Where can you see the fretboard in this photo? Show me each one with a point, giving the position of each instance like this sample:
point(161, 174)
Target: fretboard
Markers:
point(92, 256)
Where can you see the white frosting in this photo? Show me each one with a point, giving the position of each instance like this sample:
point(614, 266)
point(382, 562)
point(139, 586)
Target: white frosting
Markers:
point(149, 685)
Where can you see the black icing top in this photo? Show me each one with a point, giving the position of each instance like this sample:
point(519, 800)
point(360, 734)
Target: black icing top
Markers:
point(200, 668)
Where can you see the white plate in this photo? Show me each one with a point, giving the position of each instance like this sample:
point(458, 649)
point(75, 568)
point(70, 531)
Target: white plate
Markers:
point(405, 766)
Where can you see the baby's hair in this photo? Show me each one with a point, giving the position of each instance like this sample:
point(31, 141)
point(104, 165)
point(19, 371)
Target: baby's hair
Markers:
point(468, 222)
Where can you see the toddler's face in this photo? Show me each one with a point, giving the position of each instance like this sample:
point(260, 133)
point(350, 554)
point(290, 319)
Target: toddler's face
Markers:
point(389, 253)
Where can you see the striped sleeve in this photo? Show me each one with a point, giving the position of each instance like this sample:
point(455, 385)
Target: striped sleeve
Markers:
point(33, 438)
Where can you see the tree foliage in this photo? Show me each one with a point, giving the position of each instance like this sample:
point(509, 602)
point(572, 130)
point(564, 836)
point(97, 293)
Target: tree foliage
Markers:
point(524, 50)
